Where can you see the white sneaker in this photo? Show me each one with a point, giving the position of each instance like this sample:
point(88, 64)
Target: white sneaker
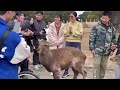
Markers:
point(65, 75)
point(36, 67)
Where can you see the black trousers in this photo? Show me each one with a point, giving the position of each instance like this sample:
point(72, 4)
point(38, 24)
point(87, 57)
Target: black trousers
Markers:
point(36, 59)
point(24, 65)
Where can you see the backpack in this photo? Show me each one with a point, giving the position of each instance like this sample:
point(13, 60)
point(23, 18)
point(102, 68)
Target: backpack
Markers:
point(2, 40)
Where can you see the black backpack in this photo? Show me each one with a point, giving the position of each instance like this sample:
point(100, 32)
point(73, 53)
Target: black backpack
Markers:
point(2, 40)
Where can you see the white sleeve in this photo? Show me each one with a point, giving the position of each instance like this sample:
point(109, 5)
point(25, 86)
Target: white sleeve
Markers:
point(22, 51)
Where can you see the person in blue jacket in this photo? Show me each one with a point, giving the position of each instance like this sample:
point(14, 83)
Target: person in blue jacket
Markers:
point(14, 50)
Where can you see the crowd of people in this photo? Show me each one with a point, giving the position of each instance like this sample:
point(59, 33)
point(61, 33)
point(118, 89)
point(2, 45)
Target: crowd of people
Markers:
point(25, 33)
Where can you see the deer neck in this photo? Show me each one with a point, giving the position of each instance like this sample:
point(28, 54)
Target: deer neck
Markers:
point(46, 52)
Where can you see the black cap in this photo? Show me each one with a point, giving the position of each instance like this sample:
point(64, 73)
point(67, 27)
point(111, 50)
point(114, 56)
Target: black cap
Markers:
point(25, 24)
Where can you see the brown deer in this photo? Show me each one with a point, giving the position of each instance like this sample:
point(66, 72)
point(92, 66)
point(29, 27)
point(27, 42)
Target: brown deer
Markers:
point(59, 59)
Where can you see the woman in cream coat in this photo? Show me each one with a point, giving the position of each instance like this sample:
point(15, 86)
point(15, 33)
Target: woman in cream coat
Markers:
point(56, 37)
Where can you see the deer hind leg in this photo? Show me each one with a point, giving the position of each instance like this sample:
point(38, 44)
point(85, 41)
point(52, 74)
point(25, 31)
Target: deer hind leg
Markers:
point(75, 73)
point(79, 66)
point(83, 72)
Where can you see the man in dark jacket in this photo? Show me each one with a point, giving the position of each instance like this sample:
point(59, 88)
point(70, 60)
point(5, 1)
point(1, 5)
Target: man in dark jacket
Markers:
point(38, 28)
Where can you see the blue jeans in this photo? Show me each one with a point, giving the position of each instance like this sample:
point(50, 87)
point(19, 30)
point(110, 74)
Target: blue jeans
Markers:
point(72, 44)
point(117, 71)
